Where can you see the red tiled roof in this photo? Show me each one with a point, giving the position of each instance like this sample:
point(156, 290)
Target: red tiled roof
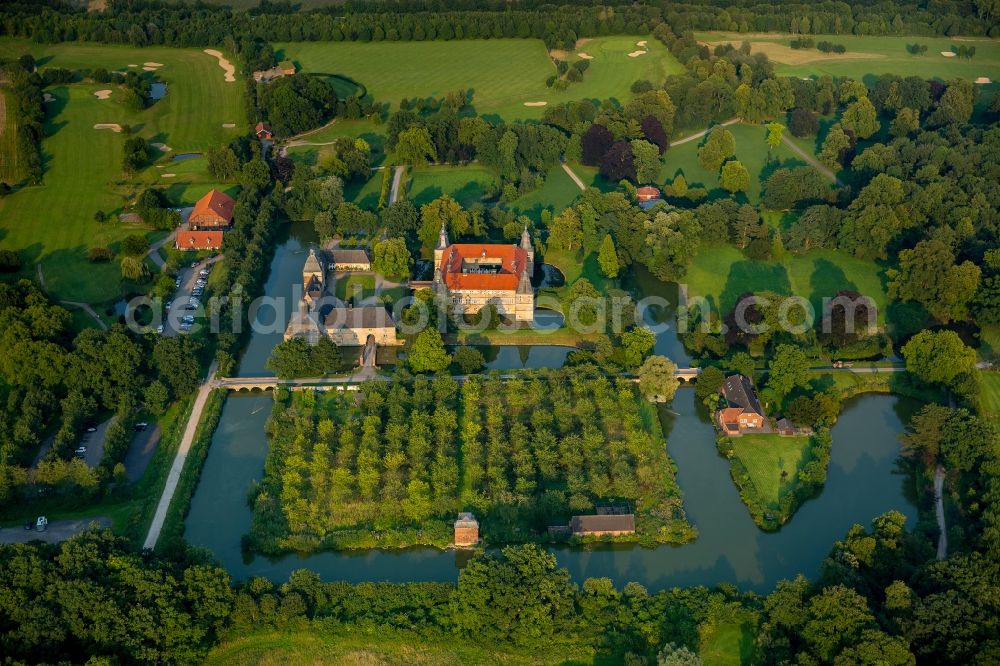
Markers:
point(647, 192)
point(262, 127)
point(198, 240)
point(513, 261)
point(214, 204)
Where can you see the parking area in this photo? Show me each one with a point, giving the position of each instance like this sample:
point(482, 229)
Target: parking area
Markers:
point(181, 305)
point(57, 530)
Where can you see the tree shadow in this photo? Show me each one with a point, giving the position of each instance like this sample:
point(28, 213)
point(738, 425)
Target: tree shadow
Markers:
point(753, 276)
point(826, 281)
point(426, 195)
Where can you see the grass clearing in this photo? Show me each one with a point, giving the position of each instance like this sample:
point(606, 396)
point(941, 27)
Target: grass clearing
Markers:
point(466, 184)
point(765, 457)
point(868, 56)
point(53, 223)
point(557, 193)
point(751, 150)
point(503, 73)
point(357, 286)
point(721, 273)
point(370, 647)
point(728, 640)
point(989, 393)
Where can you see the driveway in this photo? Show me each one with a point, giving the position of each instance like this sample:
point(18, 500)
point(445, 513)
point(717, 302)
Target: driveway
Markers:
point(94, 441)
point(140, 452)
point(58, 530)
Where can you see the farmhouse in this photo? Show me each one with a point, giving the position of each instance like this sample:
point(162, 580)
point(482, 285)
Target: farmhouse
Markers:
point(742, 411)
point(602, 525)
point(474, 275)
point(350, 260)
point(209, 219)
point(318, 315)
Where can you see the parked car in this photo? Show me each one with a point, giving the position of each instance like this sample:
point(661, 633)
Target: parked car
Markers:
point(177, 282)
point(80, 450)
point(29, 525)
point(90, 427)
point(190, 306)
point(194, 264)
point(185, 328)
point(141, 426)
point(187, 319)
point(42, 523)
point(204, 272)
point(159, 329)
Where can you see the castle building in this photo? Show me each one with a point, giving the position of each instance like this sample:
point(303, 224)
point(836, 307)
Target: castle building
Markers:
point(473, 275)
point(466, 530)
point(318, 315)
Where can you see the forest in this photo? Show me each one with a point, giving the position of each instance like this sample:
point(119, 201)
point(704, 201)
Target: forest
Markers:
point(393, 464)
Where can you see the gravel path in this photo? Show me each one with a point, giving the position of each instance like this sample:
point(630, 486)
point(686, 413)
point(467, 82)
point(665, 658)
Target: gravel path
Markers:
point(182, 451)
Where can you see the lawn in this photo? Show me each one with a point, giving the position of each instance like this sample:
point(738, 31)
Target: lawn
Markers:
point(870, 56)
point(765, 457)
point(751, 150)
point(557, 193)
point(355, 284)
point(722, 273)
point(503, 73)
point(316, 145)
point(53, 224)
point(989, 388)
point(728, 641)
point(365, 193)
point(466, 184)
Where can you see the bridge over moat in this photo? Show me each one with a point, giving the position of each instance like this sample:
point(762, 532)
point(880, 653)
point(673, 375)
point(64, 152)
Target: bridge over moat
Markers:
point(351, 382)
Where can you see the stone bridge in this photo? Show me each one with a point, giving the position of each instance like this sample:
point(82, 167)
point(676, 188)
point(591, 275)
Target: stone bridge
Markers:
point(351, 383)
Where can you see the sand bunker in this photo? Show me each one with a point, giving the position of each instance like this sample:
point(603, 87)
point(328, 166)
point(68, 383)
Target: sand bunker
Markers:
point(983, 79)
point(585, 56)
point(636, 54)
point(167, 175)
point(152, 64)
point(224, 64)
point(102, 94)
point(114, 127)
point(535, 103)
point(641, 42)
point(48, 97)
point(164, 148)
point(149, 69)
point(948, 54)
point(229, 125)
point(131, 65)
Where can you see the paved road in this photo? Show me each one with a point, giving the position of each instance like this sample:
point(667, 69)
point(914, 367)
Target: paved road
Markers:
point(140, 452)
point(813, 162)
point(182, 451)
point(58, 530)
point(572, 174)
point(94, 441)
point(698, 135)
point(397, 180)
point(942, 548)
point(154, 249)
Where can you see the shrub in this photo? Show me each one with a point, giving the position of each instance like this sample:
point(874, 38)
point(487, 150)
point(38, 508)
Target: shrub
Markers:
point(641, 86)
point(99, 255)
point(9, 261)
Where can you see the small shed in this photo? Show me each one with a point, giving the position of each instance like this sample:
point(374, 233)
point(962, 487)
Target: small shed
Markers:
point(647, 193)
point(602, 525)
point(263, 131)
point(466, 530)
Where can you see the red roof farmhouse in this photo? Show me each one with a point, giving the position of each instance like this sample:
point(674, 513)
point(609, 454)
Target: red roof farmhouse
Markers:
point(209, 219)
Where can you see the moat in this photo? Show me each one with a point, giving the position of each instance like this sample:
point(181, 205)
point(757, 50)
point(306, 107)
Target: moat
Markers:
point(862, 483)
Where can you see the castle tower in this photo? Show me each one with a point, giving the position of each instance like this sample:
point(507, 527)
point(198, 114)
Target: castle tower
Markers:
point(442, 244)
point(529, 249)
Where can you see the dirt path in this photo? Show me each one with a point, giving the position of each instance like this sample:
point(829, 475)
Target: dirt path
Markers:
point(397, 180)
point(813, 162)
point(291, 141)
point(942, 547)
point(576, 178)
point(178, 466)
point(86, 308)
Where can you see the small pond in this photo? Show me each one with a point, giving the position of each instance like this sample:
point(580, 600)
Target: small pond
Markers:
point(157, 90)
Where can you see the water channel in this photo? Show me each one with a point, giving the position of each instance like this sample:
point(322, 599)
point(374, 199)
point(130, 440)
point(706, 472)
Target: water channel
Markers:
point(862, 483)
